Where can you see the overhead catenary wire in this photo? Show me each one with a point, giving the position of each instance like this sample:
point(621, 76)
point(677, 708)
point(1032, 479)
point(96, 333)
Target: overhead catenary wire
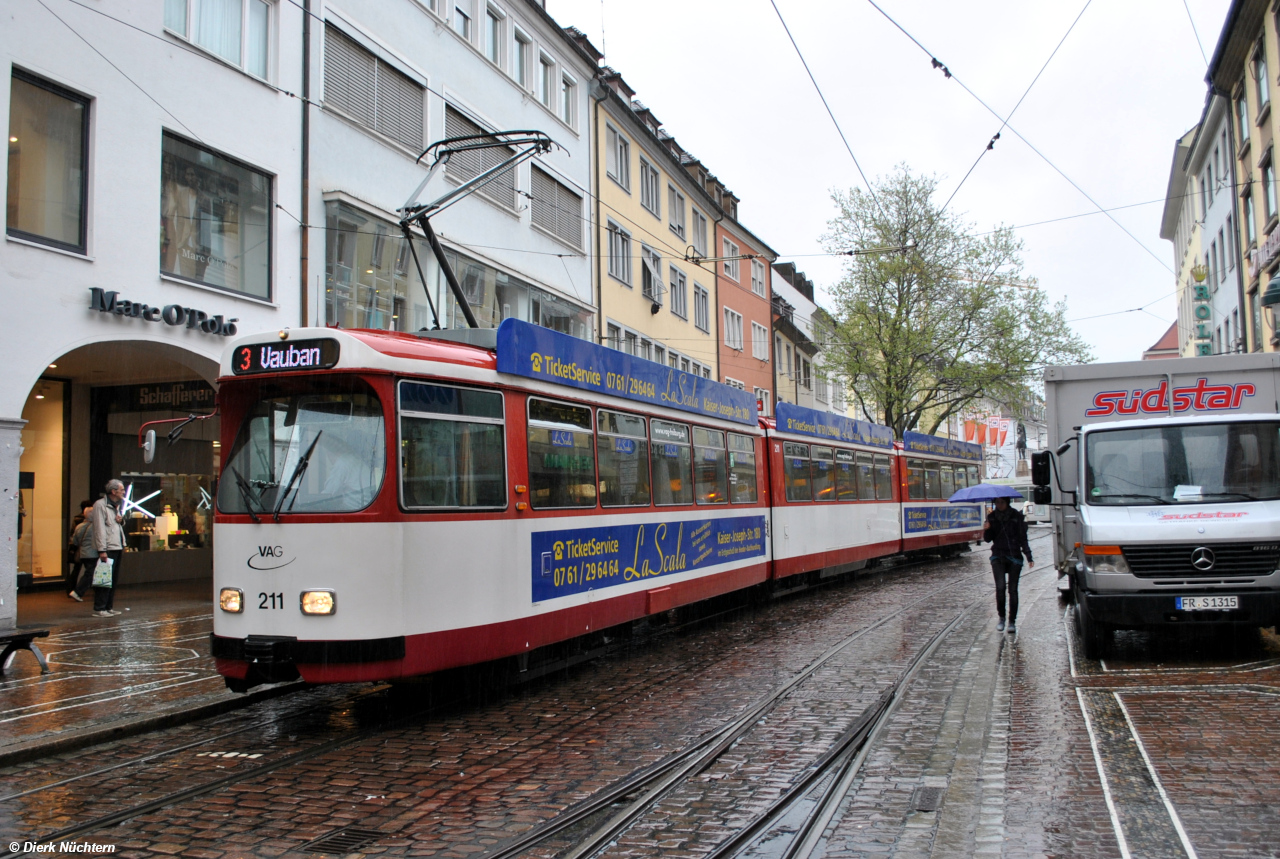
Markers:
point(951, 75)
point(871, 190)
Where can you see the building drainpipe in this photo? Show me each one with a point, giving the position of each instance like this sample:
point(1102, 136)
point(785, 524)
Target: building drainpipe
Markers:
point(304, 311)
point(1235, 225)
point(598, 96)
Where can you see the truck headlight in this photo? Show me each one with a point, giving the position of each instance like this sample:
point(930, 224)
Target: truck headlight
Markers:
point(231, 600)
point(1105, 559)
point(319, 602)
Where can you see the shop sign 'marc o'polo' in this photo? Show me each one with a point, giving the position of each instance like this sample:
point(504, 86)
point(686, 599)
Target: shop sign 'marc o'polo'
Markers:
point(105, 301)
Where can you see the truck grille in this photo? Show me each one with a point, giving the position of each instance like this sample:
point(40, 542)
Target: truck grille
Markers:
point(1203, 560)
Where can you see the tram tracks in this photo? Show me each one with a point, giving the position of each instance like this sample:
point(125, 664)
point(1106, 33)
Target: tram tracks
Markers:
point(661, 777)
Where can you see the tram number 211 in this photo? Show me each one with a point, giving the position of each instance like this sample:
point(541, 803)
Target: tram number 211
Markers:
point(270, 601)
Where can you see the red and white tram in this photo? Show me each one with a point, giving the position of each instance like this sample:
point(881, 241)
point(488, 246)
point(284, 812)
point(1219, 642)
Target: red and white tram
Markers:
point(393, 505)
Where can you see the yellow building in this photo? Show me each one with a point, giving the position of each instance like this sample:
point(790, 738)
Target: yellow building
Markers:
point(1243, 69)
point(650, 216)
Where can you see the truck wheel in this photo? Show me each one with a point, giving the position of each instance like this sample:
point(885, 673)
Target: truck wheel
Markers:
point(1094, 636)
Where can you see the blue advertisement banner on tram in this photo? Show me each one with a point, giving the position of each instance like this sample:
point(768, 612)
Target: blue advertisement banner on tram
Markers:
point(947, 517)
point(583, 559)
point(832, 427)
point(918, 442)
point(540, 353)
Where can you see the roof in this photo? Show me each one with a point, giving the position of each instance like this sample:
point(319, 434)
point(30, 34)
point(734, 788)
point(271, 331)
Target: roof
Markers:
point(1174, 195)
point(1235, 43)
point(1166, 346)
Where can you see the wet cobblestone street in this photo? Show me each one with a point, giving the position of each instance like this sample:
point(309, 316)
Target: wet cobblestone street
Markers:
point(1162, 750)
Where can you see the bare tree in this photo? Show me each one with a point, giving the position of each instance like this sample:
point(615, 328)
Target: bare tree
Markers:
point(924, 332)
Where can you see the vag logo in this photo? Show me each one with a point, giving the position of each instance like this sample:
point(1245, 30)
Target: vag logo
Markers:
point(269, 558)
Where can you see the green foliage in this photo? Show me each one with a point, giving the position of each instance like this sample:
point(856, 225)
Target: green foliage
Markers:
point(923, 333)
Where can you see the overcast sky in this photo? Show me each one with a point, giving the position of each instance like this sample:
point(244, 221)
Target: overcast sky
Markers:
point(1127, 83)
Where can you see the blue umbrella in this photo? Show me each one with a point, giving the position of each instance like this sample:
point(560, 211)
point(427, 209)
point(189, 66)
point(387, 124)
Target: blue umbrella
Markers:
point(985, 492)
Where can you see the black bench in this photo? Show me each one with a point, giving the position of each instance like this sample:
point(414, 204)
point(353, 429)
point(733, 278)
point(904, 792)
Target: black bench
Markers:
point(21, 638)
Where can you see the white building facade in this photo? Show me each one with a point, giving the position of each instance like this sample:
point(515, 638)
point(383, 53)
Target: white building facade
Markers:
point(152, 153)
point(1199, 220)
point(183, 170)
point(801, 331)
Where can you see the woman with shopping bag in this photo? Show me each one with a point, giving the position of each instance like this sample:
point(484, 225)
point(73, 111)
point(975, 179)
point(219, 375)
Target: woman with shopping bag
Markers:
point(108, 540)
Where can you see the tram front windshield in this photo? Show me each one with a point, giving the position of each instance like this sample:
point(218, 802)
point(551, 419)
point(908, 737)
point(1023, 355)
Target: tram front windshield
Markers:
point(306, 451)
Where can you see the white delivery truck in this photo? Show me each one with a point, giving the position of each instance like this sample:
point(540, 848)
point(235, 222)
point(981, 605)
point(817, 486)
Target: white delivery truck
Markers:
point(1166, 486)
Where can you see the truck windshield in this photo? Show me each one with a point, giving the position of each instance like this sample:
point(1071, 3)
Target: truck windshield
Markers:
point(1195, 463)
point(306, 452)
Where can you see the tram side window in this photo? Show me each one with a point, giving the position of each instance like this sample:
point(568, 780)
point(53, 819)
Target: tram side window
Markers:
point(624, 460)
point(915, 479)
point(452, 451)
point(866, 477)
point(795, 459)
point(948, 481)
point(962, 479)
point(884, 478)
point(932, 485)
point(846, 476)
point(742, 469)
point(562, 463)
point(710, 467)
point(823, 473)
point(672, 459)
point(974, 480)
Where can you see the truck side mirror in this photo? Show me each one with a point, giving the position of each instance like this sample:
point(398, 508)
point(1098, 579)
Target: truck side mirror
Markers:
point(1042, 495)
point(1040, 469)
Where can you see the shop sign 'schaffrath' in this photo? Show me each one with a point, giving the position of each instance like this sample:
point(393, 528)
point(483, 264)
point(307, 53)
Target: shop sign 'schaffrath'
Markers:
point(105, 301)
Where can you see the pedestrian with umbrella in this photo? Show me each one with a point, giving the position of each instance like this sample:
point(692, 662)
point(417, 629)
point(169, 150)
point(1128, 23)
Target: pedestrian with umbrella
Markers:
point(1006, 531)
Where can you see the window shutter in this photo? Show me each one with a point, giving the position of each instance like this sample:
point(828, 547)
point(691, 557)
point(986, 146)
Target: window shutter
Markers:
point(399, 107)
point(467, 165)
point(349, 74)
point(544, 201)
point(570, 209)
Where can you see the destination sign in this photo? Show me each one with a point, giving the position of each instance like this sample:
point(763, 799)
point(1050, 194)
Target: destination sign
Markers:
point(319, 354)
point(918, 442)
point(832, 427)
point(540, 353)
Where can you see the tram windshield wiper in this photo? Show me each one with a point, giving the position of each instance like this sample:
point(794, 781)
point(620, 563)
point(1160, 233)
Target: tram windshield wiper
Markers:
point(1155, 498)
point(246, 493)
point(1243, 496)
point(298, 470)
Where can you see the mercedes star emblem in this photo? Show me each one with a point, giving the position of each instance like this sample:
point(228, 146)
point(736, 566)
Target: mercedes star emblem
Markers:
point(1203, 559)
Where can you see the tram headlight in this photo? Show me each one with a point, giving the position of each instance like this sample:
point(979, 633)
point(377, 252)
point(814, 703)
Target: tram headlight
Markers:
point(231, 600)
point(319, 602)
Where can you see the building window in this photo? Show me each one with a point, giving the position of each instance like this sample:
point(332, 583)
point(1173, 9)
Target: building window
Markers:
point(651, 285)
point(679, 293)
point(759, 341)
point(215, 220)
point(649, 188)
point(462, 20)
point(48, 164)
point(556, 209)
point(1226, 256)
point(464, 166)
point(1269, 188)
point(1242, 117)
point(546, 80)
point(731, 261)
point(619, 253)
point(734, 383)
point(757, 278)
point(371, 92)
point(733, 329)
point(675, 210)
point(1260, 75)
point(701, 308)
point(699, 233)
point(1250, 228)
point(806, 374)
point(1255, 317)
point(568, 99)
point(493, 36)
point(520, 60)
point(614, 337)
point(822, 392)
point(238, 31)
point(762, 401)
point(618, 159)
